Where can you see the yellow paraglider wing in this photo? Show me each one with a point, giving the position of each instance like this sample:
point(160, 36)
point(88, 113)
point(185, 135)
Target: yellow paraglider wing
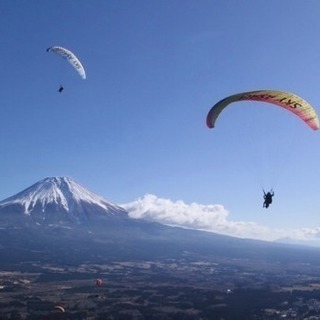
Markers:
point(286, 100)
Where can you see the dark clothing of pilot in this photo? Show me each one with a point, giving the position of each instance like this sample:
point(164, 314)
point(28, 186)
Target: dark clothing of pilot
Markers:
point(267, 199)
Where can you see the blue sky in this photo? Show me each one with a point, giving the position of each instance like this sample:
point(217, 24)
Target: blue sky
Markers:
point(136, 126)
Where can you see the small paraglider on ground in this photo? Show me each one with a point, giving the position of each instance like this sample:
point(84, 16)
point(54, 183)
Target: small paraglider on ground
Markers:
point(59, 308)
point(99, 282)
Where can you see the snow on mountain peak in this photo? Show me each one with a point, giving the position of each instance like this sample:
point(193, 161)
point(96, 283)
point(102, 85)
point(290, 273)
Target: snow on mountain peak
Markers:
point(61, 193)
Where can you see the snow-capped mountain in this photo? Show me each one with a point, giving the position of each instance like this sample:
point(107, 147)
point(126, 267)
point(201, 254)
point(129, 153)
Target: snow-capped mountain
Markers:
point(59, 198)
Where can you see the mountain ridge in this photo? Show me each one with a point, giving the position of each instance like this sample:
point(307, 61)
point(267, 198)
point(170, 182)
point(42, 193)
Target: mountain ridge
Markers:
point(60, 196)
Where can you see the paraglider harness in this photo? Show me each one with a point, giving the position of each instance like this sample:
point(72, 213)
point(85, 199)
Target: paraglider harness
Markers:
point(267, 198)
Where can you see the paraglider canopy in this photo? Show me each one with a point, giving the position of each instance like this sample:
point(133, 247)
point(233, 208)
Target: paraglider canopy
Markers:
point(286, 100)
point(99, 282)
point(71, 58)
point(266, 155)
point(59, 308)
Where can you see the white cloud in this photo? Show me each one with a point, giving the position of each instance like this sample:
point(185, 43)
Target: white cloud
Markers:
point(212, 218)
point(307, 234)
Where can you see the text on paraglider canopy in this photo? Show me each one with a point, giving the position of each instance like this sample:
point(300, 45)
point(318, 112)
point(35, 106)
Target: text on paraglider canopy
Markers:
point(283, 101)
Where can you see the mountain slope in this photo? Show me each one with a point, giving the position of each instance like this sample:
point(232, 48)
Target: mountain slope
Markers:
point(59, 199)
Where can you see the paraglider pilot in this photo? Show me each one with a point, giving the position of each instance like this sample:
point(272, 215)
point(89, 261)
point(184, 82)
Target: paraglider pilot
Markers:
point(60, 88)
point(267, 198)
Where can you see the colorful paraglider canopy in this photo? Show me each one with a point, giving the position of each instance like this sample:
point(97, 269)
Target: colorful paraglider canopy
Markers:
point(59, 308)
point(286, 100)
point(71, 58)
point(99, 282)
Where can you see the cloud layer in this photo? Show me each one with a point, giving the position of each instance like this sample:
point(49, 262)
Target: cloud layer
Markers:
point(212, 218)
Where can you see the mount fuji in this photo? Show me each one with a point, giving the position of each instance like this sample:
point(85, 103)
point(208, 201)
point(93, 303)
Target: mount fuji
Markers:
point(59, 200)
point(58, 219)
